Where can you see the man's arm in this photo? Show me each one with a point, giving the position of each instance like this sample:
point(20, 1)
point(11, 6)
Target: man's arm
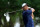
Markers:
point(31, 9)
point(32, 16)
point(32, 13)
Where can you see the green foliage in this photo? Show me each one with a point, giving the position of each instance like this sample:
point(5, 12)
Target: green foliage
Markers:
point(16, 5)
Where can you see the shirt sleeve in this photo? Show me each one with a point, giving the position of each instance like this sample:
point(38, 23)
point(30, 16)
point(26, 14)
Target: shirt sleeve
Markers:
point(29, 11)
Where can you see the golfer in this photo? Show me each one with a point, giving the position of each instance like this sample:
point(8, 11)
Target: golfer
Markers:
point(28, 15)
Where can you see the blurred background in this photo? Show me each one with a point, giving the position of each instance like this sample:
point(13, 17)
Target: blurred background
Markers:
point(11, 13)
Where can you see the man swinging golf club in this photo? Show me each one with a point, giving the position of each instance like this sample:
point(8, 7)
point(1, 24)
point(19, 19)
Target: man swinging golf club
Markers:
point(28, 15)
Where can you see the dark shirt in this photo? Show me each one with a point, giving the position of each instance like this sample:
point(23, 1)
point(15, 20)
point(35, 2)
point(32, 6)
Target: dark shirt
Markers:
point(27, 18)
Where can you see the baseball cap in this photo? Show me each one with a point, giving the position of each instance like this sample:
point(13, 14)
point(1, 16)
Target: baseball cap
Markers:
point(24, 4)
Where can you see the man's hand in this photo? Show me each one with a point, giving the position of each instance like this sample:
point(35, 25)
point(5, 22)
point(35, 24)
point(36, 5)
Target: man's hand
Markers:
point(32, 9)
